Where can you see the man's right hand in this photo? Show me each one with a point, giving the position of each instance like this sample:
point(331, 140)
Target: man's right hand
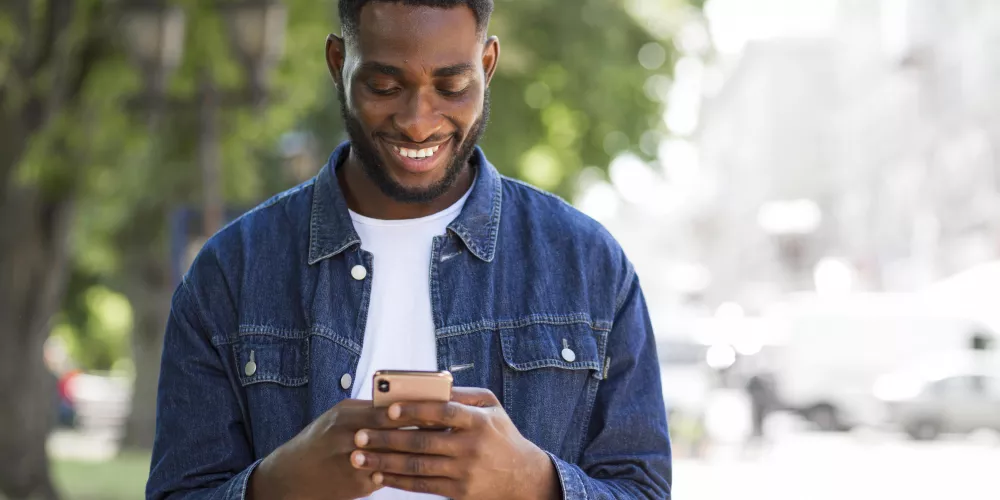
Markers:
point(316, 462)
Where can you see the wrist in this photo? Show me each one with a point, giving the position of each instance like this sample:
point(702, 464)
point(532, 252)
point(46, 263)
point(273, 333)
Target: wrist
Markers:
point(257, 484)
point(547, 487)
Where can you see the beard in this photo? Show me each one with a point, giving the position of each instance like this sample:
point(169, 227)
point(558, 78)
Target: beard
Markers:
point(363, 146)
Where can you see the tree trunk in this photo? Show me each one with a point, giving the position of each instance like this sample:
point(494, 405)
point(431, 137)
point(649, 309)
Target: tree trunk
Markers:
point(148, 286)
point(33, 265)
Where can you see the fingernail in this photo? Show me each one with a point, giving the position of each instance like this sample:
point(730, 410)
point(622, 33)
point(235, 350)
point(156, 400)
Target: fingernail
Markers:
point(361, 438)
point(358, 459)
point(377, 478)
point(394, 411)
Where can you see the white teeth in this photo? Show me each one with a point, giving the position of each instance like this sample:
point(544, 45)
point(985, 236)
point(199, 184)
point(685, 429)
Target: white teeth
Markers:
point(416, 153)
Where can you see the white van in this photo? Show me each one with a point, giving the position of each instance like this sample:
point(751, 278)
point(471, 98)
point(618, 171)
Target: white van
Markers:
point(835, 349)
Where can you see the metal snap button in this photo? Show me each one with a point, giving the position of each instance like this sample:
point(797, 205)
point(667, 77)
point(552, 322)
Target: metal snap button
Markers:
point(359, 272)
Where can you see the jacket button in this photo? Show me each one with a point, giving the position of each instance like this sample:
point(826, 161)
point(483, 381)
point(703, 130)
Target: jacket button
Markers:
point(359, 272)
point(568, 355)
point(346, 380)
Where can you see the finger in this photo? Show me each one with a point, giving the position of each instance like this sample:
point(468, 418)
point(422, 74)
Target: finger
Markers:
point(474, 396)
point(416, 441)
point(406, 464)
point(443, 486)
point(450, 415)
point(356, 417)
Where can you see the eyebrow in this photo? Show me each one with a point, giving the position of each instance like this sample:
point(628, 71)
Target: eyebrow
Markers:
point(447, 71)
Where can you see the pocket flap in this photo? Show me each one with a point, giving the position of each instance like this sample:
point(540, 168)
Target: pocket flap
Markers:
point(269, 358)
point(571, 346)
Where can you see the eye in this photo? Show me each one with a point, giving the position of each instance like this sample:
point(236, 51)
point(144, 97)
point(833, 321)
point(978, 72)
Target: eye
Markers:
point(382, 89)
point(453, 93)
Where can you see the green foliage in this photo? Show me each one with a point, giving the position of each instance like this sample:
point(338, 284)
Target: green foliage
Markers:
point(569, 93)
point(569, 89)
point(95, 328)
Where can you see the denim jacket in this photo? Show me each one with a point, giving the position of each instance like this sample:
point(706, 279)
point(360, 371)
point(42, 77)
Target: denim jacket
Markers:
point(530, 299)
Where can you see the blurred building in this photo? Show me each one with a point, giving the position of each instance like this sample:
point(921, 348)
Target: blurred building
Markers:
point(874, 144)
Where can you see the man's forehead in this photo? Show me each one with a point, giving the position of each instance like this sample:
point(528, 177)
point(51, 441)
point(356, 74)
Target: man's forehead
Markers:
point(399, 30)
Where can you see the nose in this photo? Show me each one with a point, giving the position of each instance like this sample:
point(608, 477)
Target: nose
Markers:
point(418, 121)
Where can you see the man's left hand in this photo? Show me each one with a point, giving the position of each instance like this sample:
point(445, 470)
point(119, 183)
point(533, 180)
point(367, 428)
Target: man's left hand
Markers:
point(482, 456)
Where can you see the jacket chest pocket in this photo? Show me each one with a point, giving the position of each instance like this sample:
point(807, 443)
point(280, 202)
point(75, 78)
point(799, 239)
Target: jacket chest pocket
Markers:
point(273, 372)
point(551, 373)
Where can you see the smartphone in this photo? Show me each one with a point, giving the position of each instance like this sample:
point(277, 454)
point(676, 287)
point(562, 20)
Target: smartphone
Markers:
point(391, 386)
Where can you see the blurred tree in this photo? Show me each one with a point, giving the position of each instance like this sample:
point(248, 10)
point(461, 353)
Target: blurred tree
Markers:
point(569, 93)
point(131, 248)
point(49, 51)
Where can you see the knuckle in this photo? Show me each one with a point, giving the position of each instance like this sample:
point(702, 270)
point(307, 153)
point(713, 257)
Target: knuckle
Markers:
point(450, 412)
point(421, 485)
point(489, 396)
point(415, 466)
point(380, 419)
point(420, 442)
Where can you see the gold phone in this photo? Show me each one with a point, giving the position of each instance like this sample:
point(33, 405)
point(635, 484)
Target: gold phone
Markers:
point(391, 386)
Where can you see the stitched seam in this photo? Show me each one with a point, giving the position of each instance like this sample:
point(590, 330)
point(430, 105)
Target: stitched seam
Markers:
point(432, 282)
point(495, 218)
point(552, 363)
point(534, 188)
point(313, 223)
point(508, 376)
point(623, 294)
point(591, 398)
point(535, 319)
point(279, 378)
point(292, 334)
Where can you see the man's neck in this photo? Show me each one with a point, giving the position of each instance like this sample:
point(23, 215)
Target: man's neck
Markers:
point(364, 197)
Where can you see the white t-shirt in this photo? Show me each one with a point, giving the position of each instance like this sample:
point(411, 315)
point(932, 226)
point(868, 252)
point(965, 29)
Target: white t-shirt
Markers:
point(399, 332)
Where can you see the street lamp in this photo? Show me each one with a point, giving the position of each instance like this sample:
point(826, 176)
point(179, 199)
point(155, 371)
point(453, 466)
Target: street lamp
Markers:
point(154, 33)
point(257, 35)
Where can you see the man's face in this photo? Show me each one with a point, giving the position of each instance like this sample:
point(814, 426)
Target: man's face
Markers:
point(413, 93)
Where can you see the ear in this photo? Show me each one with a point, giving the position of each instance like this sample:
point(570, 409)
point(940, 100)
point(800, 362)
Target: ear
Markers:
point(336, 54)
point(491, 55)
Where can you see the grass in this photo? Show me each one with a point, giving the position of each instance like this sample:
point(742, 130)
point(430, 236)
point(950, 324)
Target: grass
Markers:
point(121, 478)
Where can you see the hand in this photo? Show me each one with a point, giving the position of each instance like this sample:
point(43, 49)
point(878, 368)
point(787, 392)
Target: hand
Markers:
point(482, 456)
point(316, 462)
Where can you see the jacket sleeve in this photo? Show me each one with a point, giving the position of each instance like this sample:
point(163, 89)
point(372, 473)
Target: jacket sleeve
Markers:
point(627, 452)
point(201, 450)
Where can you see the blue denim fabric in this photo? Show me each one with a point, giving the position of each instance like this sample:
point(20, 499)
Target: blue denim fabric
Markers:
point(519, 276)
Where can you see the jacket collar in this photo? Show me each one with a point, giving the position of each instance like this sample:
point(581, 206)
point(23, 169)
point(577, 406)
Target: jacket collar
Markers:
point(331, 230)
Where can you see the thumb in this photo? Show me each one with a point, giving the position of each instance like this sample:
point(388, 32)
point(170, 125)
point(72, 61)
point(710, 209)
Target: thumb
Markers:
point(474, 396)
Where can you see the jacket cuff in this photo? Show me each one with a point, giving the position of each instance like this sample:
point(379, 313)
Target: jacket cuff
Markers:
point(570, 479)
point(239, 483)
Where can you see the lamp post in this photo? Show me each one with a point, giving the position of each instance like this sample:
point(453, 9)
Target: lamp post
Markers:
point(257, 35)
point(154, 32)
point(256, 31)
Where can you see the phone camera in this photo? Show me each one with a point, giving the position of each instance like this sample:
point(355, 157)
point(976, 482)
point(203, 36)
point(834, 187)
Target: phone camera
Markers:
point(383, 386)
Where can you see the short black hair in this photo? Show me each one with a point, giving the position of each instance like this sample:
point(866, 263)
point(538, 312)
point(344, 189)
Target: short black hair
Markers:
point(350, 11)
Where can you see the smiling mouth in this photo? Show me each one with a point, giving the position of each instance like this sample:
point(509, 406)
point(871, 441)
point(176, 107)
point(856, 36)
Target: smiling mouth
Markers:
point(416, 154)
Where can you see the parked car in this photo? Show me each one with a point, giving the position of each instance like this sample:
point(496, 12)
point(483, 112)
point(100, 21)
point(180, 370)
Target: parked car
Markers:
point(837, 347)
point(959, 401)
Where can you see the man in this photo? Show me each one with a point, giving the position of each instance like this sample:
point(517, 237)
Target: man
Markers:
point(410, 251)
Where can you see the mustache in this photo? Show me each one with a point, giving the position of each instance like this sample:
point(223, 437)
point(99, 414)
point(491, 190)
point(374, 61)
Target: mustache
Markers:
point(434, 139)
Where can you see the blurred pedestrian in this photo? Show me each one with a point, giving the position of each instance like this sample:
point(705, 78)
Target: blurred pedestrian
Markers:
point(760, 389)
